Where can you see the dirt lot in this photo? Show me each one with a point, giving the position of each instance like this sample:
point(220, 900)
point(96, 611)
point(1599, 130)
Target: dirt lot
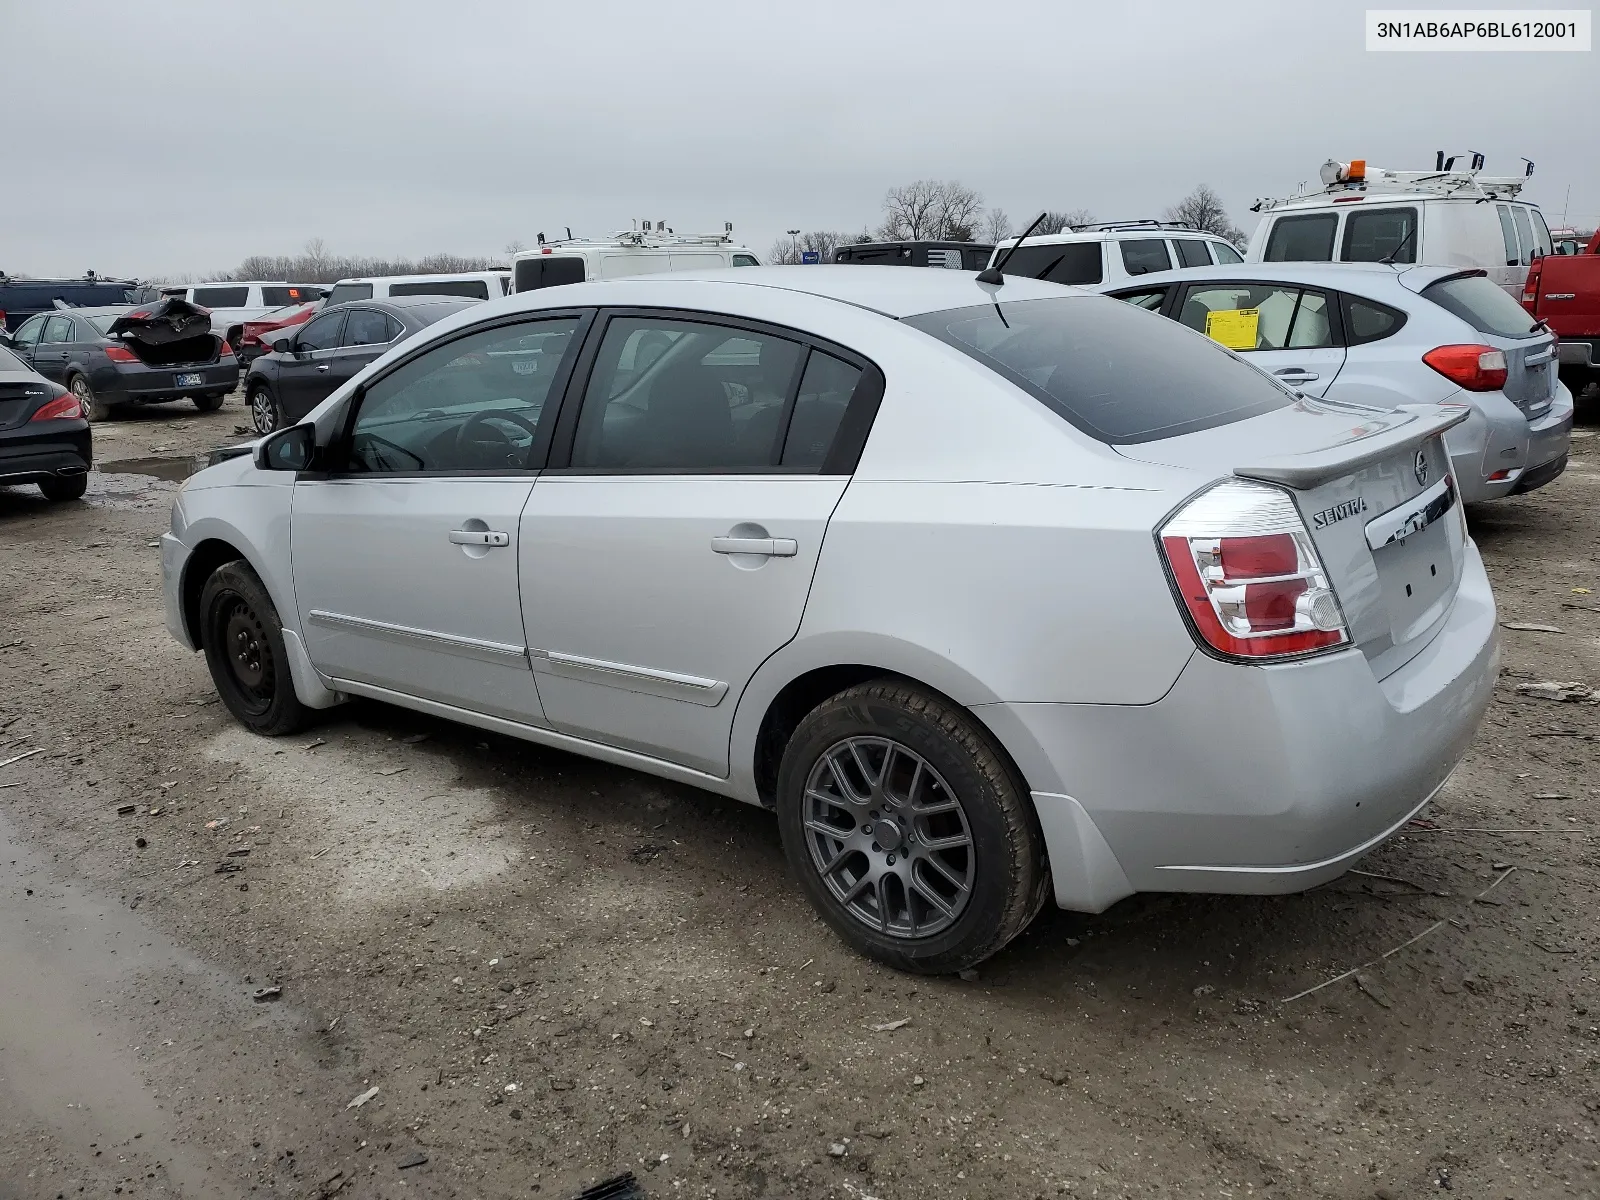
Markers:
point(552, 971)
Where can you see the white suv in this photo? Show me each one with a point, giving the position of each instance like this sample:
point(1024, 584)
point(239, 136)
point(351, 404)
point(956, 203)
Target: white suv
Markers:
point(469, 285)
point(1113, 252)
point(232, 302)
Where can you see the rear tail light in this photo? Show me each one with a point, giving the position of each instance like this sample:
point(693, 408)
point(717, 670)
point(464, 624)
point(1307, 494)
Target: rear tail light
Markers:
point(1476, 368)
point(226, 349)
point(1530, 289)
point(1249, 575)
point(121, 354)
point(65, 407)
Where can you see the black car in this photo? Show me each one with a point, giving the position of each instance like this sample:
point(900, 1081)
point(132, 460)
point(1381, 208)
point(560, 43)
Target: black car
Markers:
point(44, 436)
point(959, 256)
point(144, 355)
point(309, 363)
point(23, 298)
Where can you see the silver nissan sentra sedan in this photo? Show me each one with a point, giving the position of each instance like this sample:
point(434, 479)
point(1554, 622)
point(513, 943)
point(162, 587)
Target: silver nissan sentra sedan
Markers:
point(994, 593)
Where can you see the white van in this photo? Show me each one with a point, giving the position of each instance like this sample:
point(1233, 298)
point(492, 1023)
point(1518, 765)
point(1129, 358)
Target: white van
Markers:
point(233, 302)
point(627, 252)
point(470, 285)
point(1442, 218)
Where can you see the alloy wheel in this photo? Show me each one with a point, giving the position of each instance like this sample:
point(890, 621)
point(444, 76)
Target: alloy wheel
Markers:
point(889, 837)
point(263, 412)
point(80, 389)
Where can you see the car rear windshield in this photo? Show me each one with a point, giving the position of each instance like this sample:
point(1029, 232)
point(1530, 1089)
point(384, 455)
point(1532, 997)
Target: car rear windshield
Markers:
point(349, 291)
point(473, 289)
point(1066, 262)
point(1483, 304)
point(1119, 374)
point(545, 271)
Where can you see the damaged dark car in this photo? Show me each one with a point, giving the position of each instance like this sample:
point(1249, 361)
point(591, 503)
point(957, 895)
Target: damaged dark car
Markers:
point(148, 354)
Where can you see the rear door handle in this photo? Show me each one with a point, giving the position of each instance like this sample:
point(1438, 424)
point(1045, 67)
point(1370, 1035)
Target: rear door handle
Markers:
point(771, 547)
point(322, 366)
point(480, 537)
point(1295, 375)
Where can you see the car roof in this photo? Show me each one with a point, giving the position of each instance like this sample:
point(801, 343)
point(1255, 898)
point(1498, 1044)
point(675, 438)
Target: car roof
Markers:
point(1115, 233)
point(423, 278)
point(1343, 275)
point(400, 305)
point(893, 291)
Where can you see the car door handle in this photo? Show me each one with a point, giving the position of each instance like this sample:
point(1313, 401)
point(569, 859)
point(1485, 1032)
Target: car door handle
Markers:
point(322, 366)
point(1295, 375)
point(480, 537)
point(771, 547)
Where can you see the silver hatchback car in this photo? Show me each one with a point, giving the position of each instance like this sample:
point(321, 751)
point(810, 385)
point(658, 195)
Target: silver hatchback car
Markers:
point(995, 593)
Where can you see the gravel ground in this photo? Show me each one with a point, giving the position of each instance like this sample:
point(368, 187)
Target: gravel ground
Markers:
point(545, 971)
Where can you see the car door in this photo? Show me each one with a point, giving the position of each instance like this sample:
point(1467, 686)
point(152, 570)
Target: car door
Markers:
point(1285, 329)
point(304, 371)
point(367, 334)
point(54, 351)
point(669, 548)
point(26, 339)
point(405, 549)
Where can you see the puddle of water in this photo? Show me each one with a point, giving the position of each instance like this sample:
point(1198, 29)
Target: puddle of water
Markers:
point(172, 469)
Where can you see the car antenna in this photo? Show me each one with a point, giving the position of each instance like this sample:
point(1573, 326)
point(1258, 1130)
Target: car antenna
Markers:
point(994, 274)
point(1389, 258)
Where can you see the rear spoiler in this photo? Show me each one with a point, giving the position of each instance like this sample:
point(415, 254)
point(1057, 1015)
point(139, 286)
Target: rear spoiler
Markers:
point(1319, 466)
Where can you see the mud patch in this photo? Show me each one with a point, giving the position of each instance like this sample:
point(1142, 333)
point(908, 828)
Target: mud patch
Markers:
point(170, 468)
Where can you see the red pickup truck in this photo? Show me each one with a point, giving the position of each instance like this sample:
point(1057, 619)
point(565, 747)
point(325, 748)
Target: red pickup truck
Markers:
point(1563, 291)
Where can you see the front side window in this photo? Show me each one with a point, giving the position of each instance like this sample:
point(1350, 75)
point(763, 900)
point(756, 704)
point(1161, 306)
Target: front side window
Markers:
point(321, 333)
point(1369, 321)
point(1192, 252)
point(343, 293)
point(221, 297)
point(1483, 304)
point(472, 289)
point(1381, 235)
point(471, 404)
point(1524, 234)
point(1508, 235)
point(367, 327)
point(28, 332)
point(1258, 316)
point(1119, 375)
point(671, 395)
point(1226, 254)
point(1072, 263)
point(1307, 238)
point(1140, 256)
point(1541, 232)
point(58, 329)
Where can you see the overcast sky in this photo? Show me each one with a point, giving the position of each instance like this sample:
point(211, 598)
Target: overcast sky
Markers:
point(151, 139)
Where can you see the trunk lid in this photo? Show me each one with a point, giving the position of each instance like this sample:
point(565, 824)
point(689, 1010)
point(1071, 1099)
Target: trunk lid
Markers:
point(21, 393)
point(1372, 487)
point(1530, 371)
point(169, 333)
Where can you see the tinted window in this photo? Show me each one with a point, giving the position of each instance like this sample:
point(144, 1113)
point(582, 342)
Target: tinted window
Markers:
point(1541, 232)
point(1068, 262)
point(320, 333)
point(825, 392)
point(678, 395)
point(1482, 304)
point(1150, 299)
point(548, 271)
point(1192, 252)
point(366, 327)
point(1381, 235)
point(1225, 253)
point(283, 295)
point(1368, 321)
point(1258, 316)
point(472, 404)
point(883, 256)
point(472, 289)
point(746, 260)
point(221, 297)
point(944, 257)
point(343, 292)
point(1524, 234)
point(1140, 256)
point(58, 329)
point(1118, 374)
point(1508, 235)
point(1302, 239)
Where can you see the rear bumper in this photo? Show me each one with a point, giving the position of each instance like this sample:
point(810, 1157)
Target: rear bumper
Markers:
point(1252, 779)
point(1497, 437)
point(1582, 352)
point(135, 383)
point(27, 457)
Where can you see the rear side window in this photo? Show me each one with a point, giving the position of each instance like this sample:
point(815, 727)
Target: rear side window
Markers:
point(344, 292)
point(367, 327)
point(1381, 235)
point(1069, 262)
point(1524, 234)
point(1119, 375)
point(286, 294)
point(745, 260)
point(548, 271)
point(1143, 255)
point(1192, 252)
point(943, 257)
point(1302, 239)
point(1369, 321)
point(1483, 304)
point(222, 297)
point(1508, 235)
point(472, 289)
point(58, 329)
point(1225, 253)
point(825, 391)
point(883, 256)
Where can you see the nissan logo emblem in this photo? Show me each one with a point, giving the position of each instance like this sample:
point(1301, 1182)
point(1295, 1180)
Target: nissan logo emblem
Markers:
point(1421, 468)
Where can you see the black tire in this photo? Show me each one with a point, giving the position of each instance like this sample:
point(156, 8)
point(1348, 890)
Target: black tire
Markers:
point(1008, 874)
point(94, 408)
point(69, 487)
point(243, 642)
point(210, 402)
point(265, 414)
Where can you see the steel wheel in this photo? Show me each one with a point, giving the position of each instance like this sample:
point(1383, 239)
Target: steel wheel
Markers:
point(250, 660)
point(888, 837)
point(263, 411)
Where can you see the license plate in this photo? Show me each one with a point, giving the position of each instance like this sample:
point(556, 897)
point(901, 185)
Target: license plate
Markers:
point(525, 367)
point(190, 380)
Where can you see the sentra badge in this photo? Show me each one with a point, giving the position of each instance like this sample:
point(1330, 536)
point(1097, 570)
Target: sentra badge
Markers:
point(1332, 516)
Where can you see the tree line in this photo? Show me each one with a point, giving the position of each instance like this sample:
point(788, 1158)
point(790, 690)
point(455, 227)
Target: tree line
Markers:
point(942, 210)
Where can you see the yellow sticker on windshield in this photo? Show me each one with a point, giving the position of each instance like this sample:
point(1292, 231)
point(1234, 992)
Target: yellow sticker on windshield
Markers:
point(1235, 328)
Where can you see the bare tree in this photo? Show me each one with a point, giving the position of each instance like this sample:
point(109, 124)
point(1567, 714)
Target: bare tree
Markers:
point(931, 210)
point(515, 247)
point(996, 225)
point(823, 241)
point(1064, 222)
point(1202, 209)
point(319, 265)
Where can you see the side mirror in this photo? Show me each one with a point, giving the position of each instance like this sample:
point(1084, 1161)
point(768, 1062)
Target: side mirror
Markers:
point(281, 343)
point(289, 449)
